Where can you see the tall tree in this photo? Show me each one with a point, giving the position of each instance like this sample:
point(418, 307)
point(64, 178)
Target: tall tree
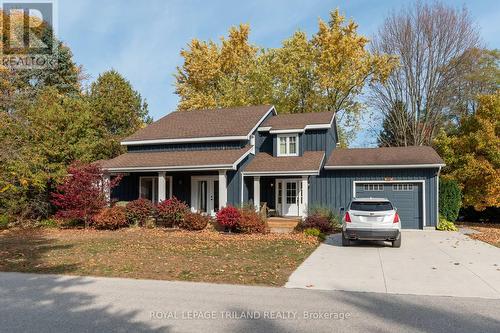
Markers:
point(395, 128)
point(19, 86)
point(431, 41)
point(324, 73)
point(118, 111)
point(472, 154)
point(478, 73)
point(37, 143)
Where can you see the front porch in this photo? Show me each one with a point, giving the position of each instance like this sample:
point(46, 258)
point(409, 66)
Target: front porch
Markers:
point(204, 192)
point(279, 196)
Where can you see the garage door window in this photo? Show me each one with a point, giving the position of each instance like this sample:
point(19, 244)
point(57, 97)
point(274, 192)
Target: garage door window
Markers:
point(374, 187)
point(402, 187)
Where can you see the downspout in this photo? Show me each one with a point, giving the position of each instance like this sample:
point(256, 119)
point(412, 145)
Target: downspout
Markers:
point(437, 196)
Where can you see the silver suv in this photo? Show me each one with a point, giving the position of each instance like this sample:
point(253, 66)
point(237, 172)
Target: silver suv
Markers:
point(371, 219)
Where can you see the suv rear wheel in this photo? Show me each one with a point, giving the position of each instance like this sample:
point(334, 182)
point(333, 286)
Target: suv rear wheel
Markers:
point(397, 242)
point(345, 241)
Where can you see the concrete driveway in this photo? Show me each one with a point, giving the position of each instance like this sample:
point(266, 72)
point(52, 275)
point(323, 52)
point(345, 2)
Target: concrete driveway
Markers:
point(428, 263)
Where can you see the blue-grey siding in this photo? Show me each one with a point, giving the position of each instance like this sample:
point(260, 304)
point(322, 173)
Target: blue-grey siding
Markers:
point(334, 188)
point(188, 146)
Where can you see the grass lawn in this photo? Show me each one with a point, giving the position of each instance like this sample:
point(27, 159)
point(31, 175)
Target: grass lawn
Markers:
point(156, 254)
point(489, 233)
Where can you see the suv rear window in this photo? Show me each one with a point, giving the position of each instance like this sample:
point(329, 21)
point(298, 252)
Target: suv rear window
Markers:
point(371, 206)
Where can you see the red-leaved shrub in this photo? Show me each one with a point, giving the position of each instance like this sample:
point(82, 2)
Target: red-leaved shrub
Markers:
point(251, 222)
point(82, 194)
point(317, 221)
point(228, 217)
point(194, 221)
point(110, 218)
point(171, 212)
point(138, 211)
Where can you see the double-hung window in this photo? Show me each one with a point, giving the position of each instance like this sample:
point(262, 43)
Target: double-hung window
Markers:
point(288, 145)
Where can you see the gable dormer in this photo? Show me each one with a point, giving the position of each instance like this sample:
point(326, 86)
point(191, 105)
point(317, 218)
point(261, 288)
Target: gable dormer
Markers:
point(293, 134)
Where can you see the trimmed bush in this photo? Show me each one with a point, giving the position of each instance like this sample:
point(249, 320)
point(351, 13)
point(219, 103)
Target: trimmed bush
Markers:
point(317, 221)
point(110, 218)
point(445, 225)
point(228, 217)
point(47, 223)
point(171, 212)
point(139, 211)
point(450, 198)
point(251, 222)
point(314, 232)
point(194, 221)
point(4, 221)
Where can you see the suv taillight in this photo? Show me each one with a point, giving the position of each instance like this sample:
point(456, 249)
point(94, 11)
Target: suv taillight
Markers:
point(396, 218)
point(347, 217)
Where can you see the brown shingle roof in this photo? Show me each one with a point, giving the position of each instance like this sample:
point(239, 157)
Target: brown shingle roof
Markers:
point(224, 158)
point(237, 121)
point(264, 162)
point(298, 120)
point(383, 156)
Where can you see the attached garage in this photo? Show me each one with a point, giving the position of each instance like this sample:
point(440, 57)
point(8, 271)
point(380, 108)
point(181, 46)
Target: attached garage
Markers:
point(407, 176)
point(405, 196)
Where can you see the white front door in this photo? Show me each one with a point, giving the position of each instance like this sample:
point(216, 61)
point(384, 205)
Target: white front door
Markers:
point(205, 194)
point(288, 195)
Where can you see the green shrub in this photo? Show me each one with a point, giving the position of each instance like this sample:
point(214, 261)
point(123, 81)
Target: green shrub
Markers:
point(139, 211)
point(4, 221)
point(48, 223)
point(445, 225)
point(194, 221)
point(251, 222)
point(450, 198)
point(314, 232)
point(110, 218)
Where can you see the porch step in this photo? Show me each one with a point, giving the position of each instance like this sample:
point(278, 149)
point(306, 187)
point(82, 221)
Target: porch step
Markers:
point(282, 224)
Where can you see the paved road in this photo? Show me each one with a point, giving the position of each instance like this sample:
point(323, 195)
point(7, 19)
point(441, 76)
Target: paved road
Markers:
point(428, 263)
point(50, 303)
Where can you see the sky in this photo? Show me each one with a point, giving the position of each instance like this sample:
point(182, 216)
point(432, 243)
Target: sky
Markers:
point(142, 39)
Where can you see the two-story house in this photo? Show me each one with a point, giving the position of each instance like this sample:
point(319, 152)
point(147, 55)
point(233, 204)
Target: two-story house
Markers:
point(289, 162)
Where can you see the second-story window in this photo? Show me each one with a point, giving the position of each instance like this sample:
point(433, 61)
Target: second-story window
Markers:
point(288, 145)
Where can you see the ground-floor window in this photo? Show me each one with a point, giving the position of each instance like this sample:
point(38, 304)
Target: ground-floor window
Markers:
point(148, 188)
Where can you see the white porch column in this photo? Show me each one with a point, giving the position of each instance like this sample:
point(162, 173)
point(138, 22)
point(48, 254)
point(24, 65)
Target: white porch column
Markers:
point(106, 181)
point(256, 192)
point(305, 199)
point(222, 189)
point(162, 185)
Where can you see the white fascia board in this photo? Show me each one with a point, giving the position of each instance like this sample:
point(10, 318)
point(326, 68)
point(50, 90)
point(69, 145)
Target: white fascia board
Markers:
point(271, 109)
point(250, 150)
point(409, 166)
point(176, 168)
point(264, 129)
point(287, 131)
point(282, 173)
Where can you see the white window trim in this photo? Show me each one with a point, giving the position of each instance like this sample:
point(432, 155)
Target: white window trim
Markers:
point(287, 136)
point(170, 186)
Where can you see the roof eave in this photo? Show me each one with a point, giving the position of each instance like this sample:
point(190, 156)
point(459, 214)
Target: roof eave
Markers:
point(383, 166)
point(282, 173)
